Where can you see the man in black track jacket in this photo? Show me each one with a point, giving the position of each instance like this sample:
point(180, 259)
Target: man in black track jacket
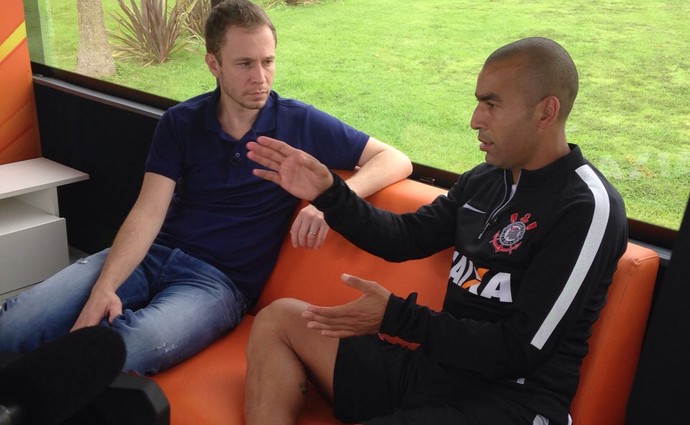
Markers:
point(537, 232)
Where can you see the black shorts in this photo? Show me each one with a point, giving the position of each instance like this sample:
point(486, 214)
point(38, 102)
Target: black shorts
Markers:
point(379, 383)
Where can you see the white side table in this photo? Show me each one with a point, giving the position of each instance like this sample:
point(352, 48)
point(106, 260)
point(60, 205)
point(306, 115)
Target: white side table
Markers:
point(33, 236)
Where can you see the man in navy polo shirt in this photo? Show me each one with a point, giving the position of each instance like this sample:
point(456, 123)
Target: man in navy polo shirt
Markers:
point(204, 233)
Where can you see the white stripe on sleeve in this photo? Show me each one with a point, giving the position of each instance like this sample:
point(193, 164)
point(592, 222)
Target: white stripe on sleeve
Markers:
point(584, 261)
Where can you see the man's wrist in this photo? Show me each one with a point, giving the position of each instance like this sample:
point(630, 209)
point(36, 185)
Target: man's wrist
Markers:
point(329, 197)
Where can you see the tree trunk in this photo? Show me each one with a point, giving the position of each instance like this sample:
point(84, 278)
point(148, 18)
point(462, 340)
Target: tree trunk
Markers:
point(94, 56)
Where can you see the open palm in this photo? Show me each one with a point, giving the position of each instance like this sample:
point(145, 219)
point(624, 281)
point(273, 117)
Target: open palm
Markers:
point(294, 170)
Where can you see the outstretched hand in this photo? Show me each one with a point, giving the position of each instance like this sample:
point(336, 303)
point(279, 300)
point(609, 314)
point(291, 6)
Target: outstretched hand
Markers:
point(292, 169)
point(360, 317)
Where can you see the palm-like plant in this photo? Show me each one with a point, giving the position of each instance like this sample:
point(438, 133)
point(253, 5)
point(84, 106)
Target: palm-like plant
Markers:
point(196, 18)
point(150, 33)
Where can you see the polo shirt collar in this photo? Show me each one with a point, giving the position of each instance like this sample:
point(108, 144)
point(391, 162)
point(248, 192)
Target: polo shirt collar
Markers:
point(265, 122)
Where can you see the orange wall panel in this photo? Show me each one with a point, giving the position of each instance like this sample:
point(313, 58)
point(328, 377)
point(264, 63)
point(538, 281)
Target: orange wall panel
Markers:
point(12, 17)
point(19, 137)
point(17, 90)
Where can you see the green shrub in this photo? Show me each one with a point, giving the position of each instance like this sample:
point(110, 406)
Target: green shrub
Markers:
point(150, 33)
point(196, 18)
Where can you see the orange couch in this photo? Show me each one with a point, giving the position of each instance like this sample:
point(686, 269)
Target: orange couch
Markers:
point(208, 388)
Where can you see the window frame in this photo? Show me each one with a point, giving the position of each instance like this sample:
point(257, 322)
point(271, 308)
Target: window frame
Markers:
point(659, 238)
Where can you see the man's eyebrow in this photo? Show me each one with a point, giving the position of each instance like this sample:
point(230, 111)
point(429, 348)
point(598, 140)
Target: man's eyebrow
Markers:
point(250, 59)
point(487, 97)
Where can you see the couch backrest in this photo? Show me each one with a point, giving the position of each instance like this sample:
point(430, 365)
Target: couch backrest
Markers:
point(314, 275)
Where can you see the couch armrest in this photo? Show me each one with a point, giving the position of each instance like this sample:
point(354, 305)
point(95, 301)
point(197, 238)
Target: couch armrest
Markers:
point(607, 372)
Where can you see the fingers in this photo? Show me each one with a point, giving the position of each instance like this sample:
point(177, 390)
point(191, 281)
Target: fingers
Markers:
point(338, 323)
point(305, 237)
point(273, 153)
point(339, 327)
point(269, 152)
point(331, 316)
point(80, 323)
point(98, 306)
point(275, 145)
point(356, 282)
point(85, 320)
point(359, 317)
point(309, 229)
point(294, 170)
point(115, 312)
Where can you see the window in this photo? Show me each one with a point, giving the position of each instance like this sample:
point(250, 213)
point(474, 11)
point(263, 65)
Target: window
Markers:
point(404, 71)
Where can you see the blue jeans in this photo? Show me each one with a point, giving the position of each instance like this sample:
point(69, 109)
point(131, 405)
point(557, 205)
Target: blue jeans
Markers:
point(174, 305)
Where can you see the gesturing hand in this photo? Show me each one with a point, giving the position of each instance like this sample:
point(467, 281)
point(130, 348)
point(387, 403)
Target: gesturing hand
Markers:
point(294, 170)
point(360, 317)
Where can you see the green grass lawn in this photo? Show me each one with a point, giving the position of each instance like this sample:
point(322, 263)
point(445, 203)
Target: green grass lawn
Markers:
point(404, 71)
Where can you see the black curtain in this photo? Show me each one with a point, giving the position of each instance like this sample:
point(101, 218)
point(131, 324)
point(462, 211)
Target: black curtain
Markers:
point(662, 383)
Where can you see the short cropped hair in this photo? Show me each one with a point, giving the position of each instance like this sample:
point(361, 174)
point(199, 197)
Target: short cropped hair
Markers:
point(229, 13)
point(548, 70)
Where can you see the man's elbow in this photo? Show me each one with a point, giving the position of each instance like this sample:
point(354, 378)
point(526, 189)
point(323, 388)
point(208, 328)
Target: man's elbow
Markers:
point(401, 164)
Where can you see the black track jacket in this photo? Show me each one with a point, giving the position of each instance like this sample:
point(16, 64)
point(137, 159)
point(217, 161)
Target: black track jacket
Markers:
point(529, 274)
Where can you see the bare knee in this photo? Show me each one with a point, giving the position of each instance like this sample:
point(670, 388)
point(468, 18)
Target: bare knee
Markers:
point(277, 321)
point(279, 333)
point(280, 314)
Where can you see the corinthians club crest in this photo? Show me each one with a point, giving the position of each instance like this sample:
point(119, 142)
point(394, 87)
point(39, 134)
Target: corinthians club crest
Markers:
point(510, 238)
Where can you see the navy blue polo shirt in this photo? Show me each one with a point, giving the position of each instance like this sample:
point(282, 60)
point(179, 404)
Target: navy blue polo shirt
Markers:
point(221, 213)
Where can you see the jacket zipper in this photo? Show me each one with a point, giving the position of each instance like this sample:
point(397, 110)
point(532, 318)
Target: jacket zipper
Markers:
point(491, 220)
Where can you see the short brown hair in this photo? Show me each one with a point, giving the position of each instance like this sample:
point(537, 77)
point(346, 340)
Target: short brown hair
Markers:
point(228, 13)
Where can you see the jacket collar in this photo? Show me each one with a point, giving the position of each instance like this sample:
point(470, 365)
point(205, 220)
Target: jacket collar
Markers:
point(554, 172)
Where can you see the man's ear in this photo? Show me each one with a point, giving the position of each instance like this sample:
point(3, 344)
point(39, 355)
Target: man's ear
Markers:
point(212, 64)
point(549, 109)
